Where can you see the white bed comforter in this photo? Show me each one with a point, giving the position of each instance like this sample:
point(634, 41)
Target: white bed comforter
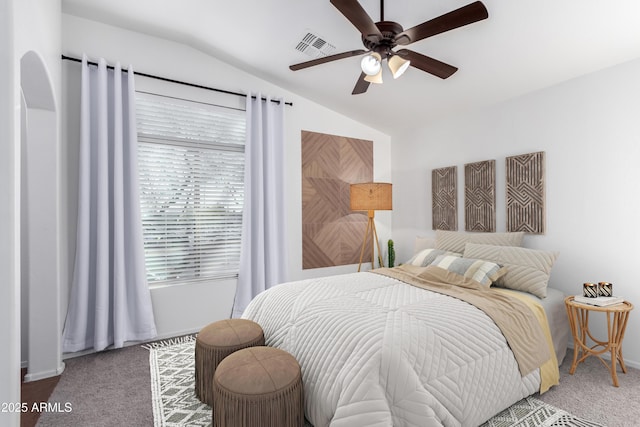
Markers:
point(375, 351)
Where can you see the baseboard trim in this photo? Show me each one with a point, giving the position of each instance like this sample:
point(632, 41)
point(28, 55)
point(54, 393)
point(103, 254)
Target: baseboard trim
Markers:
point(607, 356)
point(35, 376)
point(66, 356)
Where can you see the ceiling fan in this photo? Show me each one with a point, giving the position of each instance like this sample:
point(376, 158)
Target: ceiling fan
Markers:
point(380, 38)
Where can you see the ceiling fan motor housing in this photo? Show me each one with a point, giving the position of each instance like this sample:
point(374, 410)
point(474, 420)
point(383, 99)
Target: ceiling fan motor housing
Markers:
point(384, 46)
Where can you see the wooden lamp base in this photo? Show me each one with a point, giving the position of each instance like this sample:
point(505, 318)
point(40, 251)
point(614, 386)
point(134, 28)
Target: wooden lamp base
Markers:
point(373, 234)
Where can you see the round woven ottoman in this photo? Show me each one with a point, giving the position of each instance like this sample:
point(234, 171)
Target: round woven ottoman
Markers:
point(258, 386)
point(215, 342)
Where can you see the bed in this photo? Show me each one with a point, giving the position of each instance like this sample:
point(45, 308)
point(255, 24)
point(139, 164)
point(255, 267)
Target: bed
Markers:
point(409, 346)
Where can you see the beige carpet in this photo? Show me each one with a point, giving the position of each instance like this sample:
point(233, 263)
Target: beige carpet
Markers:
point(590, 393)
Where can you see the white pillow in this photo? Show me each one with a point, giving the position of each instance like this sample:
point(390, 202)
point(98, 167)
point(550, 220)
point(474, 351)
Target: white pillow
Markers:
point(528, 270)
point(423, 243)
point(455, 240)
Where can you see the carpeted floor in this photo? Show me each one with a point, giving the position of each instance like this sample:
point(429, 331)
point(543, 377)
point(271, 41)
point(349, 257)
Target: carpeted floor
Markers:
point(589, 393)
point(110, 388)
point(113, 389)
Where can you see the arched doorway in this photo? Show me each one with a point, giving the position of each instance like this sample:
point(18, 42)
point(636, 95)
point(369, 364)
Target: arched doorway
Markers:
point(39, 240)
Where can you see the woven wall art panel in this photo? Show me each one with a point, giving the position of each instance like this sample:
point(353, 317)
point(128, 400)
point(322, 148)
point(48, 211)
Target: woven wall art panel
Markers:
point(331, 233)
point(480, 196)
point(526, 193)
point(444, 198)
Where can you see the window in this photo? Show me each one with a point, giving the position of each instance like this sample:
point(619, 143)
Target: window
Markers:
point(191, 162)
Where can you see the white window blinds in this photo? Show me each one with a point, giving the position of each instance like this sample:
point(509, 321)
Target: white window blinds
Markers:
point(191, 161)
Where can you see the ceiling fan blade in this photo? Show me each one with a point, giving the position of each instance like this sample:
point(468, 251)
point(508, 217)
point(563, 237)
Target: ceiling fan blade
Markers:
point(427, 64)
point(361, 85)
point(468, 14)
point(326, 59)
point(360, 19)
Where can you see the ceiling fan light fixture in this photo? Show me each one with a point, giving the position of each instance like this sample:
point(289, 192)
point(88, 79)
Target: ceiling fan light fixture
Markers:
point(376, 78)
point(381, 38)
point(398, 65)
point(371, 64)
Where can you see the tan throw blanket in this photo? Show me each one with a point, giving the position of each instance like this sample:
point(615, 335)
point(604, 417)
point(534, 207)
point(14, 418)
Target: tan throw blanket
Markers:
point(518, 323)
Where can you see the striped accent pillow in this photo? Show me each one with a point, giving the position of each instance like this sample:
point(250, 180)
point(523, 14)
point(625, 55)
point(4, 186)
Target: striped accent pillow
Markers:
point(484, 272)
point(426, 256)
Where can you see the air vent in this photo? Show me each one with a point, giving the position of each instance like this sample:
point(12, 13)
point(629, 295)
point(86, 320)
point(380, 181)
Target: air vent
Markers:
point(315, 46)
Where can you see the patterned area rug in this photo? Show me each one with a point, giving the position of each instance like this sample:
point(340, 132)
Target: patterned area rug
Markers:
point(531, 412)
point(172, 385)
point(176, 405)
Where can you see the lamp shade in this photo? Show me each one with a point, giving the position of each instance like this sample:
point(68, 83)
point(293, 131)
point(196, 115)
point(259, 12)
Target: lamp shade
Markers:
point(398, 65)
point(371, 196)
point(376, 78)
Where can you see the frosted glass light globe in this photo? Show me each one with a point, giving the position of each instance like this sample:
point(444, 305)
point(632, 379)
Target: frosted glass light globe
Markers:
point(370, 64)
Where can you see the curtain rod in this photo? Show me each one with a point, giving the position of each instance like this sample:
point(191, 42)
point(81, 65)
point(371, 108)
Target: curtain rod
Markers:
point(165, 79)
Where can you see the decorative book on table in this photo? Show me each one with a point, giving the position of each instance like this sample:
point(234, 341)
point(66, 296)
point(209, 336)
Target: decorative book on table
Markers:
point(599, 301)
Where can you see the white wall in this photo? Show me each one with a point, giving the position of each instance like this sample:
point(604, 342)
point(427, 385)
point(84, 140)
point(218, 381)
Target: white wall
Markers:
point(41, 317)
point(9, 217)
point(188, 308)
point(590, 130)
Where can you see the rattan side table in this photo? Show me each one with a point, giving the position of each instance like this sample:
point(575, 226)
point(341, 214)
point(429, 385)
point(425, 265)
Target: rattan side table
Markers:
point(617, 316)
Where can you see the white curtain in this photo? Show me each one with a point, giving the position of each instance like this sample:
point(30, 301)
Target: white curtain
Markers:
point(110, 301)
point(263, 254)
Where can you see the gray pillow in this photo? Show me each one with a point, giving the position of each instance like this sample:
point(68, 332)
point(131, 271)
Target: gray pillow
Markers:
point(426, 256)
point(528, 270)
point(455, 240)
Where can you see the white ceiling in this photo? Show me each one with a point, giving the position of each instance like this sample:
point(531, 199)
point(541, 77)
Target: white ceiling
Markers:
point(523, 46)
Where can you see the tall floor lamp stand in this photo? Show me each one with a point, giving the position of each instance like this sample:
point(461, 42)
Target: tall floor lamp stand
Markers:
point(370, 196)
point(373, 234)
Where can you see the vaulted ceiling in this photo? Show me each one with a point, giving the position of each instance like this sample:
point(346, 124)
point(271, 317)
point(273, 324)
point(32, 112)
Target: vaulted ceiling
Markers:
point(523, 46)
